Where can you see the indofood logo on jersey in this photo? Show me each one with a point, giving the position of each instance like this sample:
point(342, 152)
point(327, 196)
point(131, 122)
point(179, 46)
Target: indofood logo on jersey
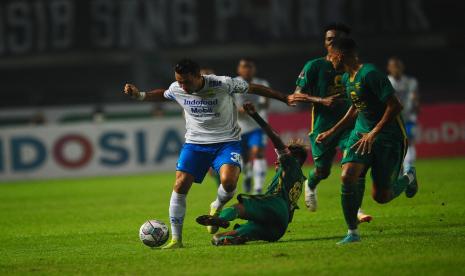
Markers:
point(201, 106)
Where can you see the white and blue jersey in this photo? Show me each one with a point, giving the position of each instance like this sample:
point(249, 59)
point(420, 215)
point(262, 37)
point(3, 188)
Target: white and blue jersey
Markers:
point(405, 88)
point(252, 134)
point(212, 131)
point(211, 113)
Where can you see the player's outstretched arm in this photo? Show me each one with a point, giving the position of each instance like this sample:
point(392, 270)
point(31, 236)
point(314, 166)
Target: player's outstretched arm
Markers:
point(274, 137)
point(345, 122)
point(269, 93)
point(153, 96)
point(299, 96)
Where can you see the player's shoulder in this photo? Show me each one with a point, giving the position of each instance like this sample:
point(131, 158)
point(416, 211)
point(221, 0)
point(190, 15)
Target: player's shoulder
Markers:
point(369, 67)
point(412, 83)
point(411, 80)
point(213, 81)
point(370, 70)
point(175, 87)
point(314, 63)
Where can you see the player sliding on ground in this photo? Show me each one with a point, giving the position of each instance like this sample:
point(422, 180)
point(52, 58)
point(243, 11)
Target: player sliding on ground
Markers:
point(378, 139)
point(212, 137)
point(269, 214)
point(320, 84)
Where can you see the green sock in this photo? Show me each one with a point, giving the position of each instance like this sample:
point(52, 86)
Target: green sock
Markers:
point(229, 214)
point(350, 204)
point(361, 191)
point(399, 186)
point(313, 180)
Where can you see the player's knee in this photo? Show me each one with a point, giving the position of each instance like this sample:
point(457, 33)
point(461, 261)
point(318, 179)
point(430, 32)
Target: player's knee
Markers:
point(348, 179)
point(229, 183)
point(381, 196)
point(228, 176)
point(256, 153)
point(183, 183)
point(350, 174)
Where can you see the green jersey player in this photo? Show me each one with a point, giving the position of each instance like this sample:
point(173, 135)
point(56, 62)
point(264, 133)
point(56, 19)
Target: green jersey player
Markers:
point(267, 215)
point(378, 140)
point(320, 84)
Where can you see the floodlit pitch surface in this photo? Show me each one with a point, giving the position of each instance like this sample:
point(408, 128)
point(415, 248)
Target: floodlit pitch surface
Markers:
point(90, 226)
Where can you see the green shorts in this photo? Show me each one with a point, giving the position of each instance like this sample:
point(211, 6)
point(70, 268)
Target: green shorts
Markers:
point(385, 159)
point(268, 217)
point(323, 153)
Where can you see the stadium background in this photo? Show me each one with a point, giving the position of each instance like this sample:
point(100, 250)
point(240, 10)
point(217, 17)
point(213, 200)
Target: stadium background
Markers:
point(63, 64)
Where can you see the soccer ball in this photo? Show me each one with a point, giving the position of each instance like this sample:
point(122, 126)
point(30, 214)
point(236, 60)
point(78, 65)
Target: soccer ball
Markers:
point(154, 233)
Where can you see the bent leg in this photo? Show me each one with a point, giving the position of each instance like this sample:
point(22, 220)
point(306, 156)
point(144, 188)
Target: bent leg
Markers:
point(233, 212)
point(387, 164)
point(228, 165)
point(322, 168)
point(223, 218)
point(316, 175)
point(250, 231)
point(229, 174)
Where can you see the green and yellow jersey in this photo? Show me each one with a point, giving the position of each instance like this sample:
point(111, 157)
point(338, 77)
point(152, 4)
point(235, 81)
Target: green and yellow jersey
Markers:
point(319, 78)
point(288, 182)
point(369, 91)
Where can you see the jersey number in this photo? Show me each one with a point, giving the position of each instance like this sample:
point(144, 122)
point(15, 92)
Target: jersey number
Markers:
point(236, 157)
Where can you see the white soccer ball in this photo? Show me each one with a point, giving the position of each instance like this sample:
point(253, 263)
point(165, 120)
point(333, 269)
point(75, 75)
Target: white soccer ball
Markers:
point(154, 233)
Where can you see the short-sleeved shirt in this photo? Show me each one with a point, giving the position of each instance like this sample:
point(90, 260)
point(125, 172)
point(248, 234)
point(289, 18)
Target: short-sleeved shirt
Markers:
point(319, 78)
point(288, 181)
point(405, 88)
point(210, 113)
point(369, 91)
point(246, 123)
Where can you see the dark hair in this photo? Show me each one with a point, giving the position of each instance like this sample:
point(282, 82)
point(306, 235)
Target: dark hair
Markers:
point(247, 59)
point(339, 27)
point(298, 150)
point(345, 45)
point(187, 66)
point(395, 58)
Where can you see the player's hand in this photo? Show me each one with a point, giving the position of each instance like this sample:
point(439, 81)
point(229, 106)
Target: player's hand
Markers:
point(330, 101)
point(290, 100)
point(324, 136)
point(293, 99)
point(249, 108)
point(131, 90)
point(365, 144)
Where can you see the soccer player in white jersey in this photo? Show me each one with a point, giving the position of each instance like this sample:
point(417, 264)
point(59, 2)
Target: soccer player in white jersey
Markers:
point(406, 89)
point(212, 137)
point(252, 136)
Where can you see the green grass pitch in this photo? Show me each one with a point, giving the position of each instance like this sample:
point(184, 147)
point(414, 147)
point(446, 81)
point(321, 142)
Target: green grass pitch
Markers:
point(90, 226)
